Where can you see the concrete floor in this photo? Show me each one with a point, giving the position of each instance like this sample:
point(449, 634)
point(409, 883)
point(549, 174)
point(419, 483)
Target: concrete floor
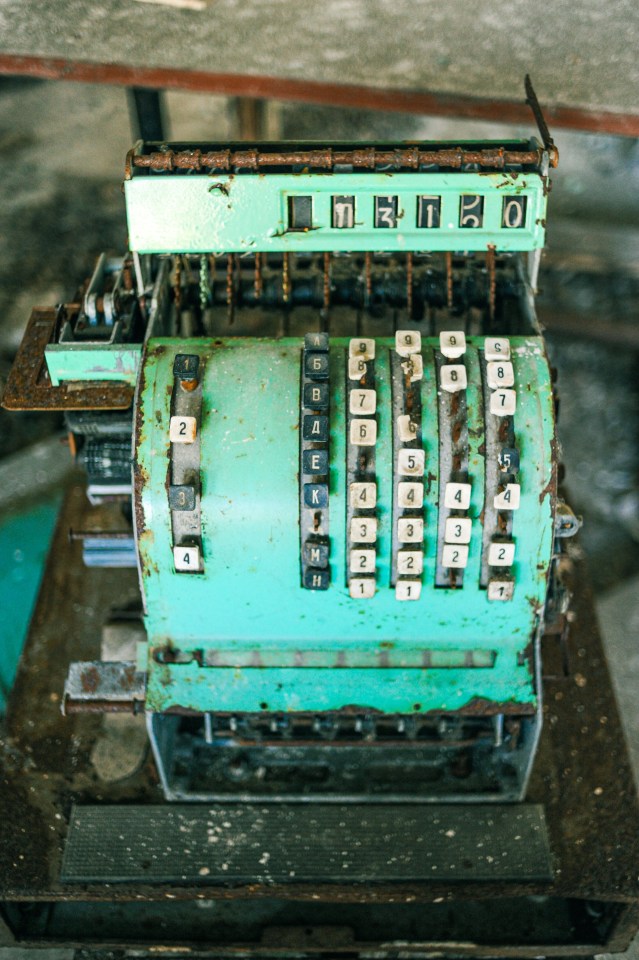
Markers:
point(62, 151)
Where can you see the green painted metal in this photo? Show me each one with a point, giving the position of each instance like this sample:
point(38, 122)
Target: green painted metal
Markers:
point(249, 599)
point(93, 361)
point(174, 213)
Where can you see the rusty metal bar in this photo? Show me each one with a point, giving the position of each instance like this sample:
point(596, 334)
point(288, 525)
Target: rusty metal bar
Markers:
point(542, 126)
point(492, 280)
point(367, 158)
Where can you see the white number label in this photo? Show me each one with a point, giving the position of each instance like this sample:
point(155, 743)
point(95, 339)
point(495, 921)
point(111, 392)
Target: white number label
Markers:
point(410, 463)
point(457, 496)
point(509, 497)
point(497, 348)
point(362, 561)
point(409, 530)
point(182, 429)
point(362, 589)
point(455, 557)
point(363, 530)
point(410, 562)
point(410, 495)
point(452, 377)
point(452, 343)
point(363, 433)
point(458, 530)
point(362, 401)
point(186, 559)
point(500, 374)
point(501, 589)
point(503, 403)
point(501, 554)
point(363, 495)
point(362, 348)
point(408, 590)
point(407, 342)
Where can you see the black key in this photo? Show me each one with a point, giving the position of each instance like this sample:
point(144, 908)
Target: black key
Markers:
point(316, 396)
point(316, 341)
point(315, 463)
point(182, 497)
point(317, 579)
point(315, 427)
point(315, 553)
point(186, 366)
point(316, 366)
point(316, 495)
point(508, 459)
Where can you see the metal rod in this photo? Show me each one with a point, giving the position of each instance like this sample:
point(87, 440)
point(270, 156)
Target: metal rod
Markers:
point(409, 284)
point(492, 282)
point(449, 279)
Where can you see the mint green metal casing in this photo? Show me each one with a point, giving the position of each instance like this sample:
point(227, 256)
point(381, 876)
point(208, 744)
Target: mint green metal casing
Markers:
point(226, 213)
point(278, 647)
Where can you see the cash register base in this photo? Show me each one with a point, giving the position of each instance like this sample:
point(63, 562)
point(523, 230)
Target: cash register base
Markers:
point(114, 867)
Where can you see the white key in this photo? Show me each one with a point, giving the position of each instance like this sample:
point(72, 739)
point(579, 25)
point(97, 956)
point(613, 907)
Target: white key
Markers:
point(501, 554)
point(362, 561)
point(362, 348)
point(186, 559)
point(501, 589)
point(458, 530)
point(182, 429)
point(410, 495)
point(356, 368)
point(413, 367)
point(452, 377)
point(363, 530)
point(410, 562)
point(410, 463)
point(406, 428)
point(407, 342)
point(500, 374)
point(362, 589)
point(497, 348)
point(364, 433)
point(503, 403)
point(457, 496)
point(362, 401)
point(363, 496)
point(452, 343)
point(454, 557)
point(408, 590)
point(509, 497)
point(410, 531)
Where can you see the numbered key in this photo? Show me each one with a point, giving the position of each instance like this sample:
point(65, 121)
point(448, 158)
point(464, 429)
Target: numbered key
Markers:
point(362, 588)
point(362, 349)
point(452, 377)
point(454, 557)
point(457, 496)
point(501, 589)
point(363, 433)
point(503, 403)
point(406, 428)
point(497, 348)
point(356, 368)
point(408, 342)
point(413, 367)
point(182, 497)
point(501, 554)
point(458, 530)
point(410, 530)
point(452, 343)
point(362, 561)
point(362, 401)
point(363, 496)
point(182, 429)
point(410, 495)
point(408, 589)
point(508, 498)
point(363, 530)
point(411, 463)
point(410, 562)
point(500, 374)
point(186, 559)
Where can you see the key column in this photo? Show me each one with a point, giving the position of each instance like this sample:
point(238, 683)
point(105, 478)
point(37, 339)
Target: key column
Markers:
point(314, 462)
